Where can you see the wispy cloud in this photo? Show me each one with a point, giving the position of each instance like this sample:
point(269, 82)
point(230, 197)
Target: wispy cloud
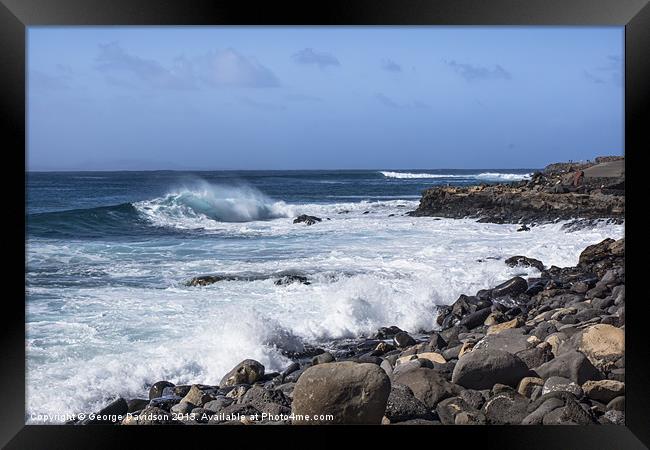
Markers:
point(312, 57)
point(43, 81)
point(386, 101)
point(390, 66)
point(473, 72)
point(390, 103)
point(610, 72)
point(230, 68)
point(217, 68)
point(60, 79)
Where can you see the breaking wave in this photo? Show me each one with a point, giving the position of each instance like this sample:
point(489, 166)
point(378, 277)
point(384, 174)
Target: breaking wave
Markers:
point(488, 176)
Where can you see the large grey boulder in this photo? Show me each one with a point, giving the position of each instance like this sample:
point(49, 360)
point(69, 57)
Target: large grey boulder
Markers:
point(350, 392)
point(483, 368)
point(427, 385)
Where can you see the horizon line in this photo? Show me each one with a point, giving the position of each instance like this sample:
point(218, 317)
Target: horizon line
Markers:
point(278, 170)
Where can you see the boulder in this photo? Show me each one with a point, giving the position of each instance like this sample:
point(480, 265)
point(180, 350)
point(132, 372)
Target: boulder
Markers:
point(602, 344)
point(572, 365)
point(527, 384)
point(617, 404)
point(536, 356)
point(511, 340)
point(483, 368)
point(448, 408)
point(554, 384)
point(197, 396)
point(475, 399)
point(402, 405)
point(352, 393)
point(525, 262)
point(403, 339)
point(156, 390)
point(537, 416)
point(269, 401)
point(513, 287)
point(506, 408)
point(570, 414)
point(218, 404)
point(596, 252)
point(308, 220)
point(290, 279)
point(427, 385)
point(323, 358)
point(603, 390)
point(510, 324)
point(433, 357)
point(246, 372)
point(470, 418)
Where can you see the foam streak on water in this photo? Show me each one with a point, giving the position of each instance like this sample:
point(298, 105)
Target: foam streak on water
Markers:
point(109, 317)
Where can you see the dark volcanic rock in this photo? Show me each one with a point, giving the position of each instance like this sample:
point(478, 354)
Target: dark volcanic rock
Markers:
point(506, 408)
point(512, 288)
point(403, 339)
point(536, 356)
point(205, 280)
point(448, 408)
point(290, 279)
point(308, 220)
point(386, 332)
point(402, 405)
point(524, 261)
point(157, 389)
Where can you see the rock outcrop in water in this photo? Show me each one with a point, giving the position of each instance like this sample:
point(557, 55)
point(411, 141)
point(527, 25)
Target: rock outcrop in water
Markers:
point(539, 351)
point(562, 191)
point(307, 220)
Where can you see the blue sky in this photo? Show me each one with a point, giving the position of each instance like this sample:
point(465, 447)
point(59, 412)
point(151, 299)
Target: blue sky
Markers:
point(136, 98)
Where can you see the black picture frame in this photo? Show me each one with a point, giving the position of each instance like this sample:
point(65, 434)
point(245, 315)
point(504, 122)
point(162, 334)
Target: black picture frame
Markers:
point(634, 15)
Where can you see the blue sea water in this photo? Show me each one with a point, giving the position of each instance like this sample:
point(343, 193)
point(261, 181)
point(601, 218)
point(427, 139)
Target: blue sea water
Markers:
point(109, 253)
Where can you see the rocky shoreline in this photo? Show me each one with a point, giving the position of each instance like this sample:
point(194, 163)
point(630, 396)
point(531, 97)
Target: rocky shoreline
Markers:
point(562, 191)
point(545, 350)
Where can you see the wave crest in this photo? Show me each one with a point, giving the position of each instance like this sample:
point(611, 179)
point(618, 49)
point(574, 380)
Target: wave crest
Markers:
point(200, 207)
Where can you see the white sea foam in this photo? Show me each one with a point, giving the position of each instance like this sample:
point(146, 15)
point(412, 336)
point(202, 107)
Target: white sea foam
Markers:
point(491, 176)
point(503, 176)
point(369, 270)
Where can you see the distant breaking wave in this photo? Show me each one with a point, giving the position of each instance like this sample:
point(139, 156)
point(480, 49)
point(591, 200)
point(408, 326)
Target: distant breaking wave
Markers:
point(488, 176)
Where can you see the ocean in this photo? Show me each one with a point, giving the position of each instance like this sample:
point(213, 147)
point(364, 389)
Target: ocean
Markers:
point(109, 313)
